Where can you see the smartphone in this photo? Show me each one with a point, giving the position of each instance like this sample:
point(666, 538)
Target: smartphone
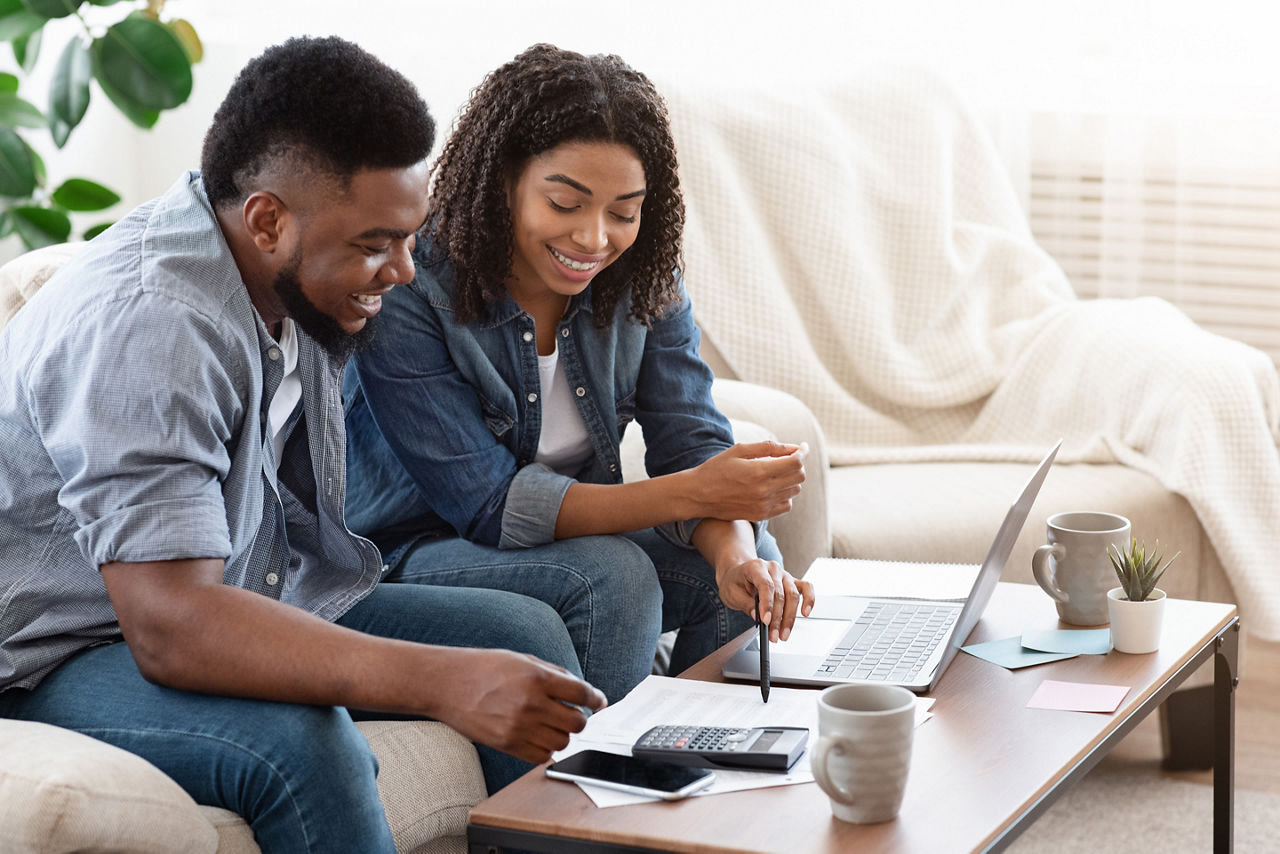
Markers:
point(632, 774)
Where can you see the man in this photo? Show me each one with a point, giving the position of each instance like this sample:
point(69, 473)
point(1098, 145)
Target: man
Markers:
point(173, 477)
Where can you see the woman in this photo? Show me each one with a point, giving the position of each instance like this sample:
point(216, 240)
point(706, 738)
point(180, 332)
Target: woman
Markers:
point(545, 315)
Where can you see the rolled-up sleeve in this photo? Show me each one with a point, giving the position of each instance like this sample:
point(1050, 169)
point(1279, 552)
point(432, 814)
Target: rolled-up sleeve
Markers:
point(137, 412)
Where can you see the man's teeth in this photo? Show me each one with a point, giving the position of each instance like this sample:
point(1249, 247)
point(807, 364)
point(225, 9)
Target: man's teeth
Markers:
point(580, 266)
point(368, 299)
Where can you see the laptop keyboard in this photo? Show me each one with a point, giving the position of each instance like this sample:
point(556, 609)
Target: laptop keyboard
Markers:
point(889, 642)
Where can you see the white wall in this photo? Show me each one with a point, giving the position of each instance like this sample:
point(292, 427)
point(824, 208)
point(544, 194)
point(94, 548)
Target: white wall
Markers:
point(1117, 54)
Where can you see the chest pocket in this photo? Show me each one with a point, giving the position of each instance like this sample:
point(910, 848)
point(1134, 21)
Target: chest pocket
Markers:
point(626, 411)
point(498, 420)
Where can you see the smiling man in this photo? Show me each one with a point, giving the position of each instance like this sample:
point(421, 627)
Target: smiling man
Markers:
point(176, 576)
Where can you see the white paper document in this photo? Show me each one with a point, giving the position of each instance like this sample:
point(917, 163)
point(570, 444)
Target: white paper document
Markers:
point(891, 579)
point(665, 700)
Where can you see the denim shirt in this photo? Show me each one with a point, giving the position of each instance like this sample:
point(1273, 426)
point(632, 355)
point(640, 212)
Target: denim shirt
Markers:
point(443, 418)
point(133, 400)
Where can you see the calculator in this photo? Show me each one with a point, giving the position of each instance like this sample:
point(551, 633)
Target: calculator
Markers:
point(774, 748)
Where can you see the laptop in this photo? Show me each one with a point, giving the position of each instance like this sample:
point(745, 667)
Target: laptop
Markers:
point(893, 641)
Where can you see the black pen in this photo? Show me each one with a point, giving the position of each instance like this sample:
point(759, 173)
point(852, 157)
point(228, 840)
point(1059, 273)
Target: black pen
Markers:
point(764, 653)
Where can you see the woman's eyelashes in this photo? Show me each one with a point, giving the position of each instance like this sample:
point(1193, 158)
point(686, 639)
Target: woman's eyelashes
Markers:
point(626, 218)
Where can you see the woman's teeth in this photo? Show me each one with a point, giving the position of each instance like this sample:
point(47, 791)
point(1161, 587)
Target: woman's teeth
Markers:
point(579, 266)
point(367, 299)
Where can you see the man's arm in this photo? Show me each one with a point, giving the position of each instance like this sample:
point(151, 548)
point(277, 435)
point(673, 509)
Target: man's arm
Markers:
point(183, 624)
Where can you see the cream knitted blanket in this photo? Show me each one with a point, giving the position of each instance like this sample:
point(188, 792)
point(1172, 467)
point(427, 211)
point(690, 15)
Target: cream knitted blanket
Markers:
point(861, 247)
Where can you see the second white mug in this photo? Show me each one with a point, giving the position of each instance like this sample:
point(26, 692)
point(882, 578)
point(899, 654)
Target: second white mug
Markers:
point(1073, 566)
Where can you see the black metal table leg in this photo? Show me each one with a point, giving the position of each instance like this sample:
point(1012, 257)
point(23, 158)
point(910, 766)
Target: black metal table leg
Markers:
point(1226, 660)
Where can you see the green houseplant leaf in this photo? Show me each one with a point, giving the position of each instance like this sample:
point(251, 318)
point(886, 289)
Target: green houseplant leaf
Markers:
point(18, 112)
point(8, 82)
point(17, 169)
point(69, 90)
point(53, 8)
point(40, 226)
point(80, 194)
point(17, 21)
point(94, 230)
point(26, 49)
point(144, 63)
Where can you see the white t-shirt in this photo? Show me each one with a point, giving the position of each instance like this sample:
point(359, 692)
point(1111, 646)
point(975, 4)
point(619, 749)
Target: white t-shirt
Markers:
point(289, 394)
point(563, 445)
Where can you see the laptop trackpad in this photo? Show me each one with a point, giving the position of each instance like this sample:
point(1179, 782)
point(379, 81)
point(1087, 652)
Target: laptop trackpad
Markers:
point(809, 637)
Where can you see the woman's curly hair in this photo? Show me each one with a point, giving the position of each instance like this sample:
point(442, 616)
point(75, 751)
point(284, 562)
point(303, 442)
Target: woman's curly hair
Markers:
point(543, 98)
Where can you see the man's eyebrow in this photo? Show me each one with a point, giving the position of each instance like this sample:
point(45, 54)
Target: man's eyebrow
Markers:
point(581, 188)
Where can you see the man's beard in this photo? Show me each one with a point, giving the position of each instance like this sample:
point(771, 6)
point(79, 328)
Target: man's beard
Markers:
point(322, 328)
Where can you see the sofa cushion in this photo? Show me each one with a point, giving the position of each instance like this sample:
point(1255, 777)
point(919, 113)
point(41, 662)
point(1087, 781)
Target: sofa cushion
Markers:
point(61, 791)
point(949, 512)
point(429, 778)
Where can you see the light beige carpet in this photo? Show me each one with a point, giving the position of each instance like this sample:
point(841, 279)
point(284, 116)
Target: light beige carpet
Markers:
point(1122, 810)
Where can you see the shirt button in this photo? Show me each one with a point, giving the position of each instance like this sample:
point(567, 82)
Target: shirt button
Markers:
point(274, 354)
point(528, 336)
point(580, 391)
point(532, 397)
point(564, 333)
point(613, 468)
point(272, 579)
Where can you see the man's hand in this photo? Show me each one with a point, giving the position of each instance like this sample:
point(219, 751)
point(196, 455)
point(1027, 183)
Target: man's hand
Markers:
point(779, 594)
point(753, 481)
point(518, 704)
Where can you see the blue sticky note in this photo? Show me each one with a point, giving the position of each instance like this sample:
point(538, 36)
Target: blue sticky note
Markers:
point(1009, 653)
point(1075, 641)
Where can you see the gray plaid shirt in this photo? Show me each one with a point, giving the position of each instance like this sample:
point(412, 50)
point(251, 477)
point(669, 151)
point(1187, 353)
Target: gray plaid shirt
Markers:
point(134, 389)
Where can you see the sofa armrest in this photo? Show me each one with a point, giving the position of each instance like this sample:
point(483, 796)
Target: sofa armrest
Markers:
point(805, 533)
point(757, 413)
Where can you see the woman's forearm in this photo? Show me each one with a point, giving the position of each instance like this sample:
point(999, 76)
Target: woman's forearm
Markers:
point(594, 508)
point(753, 482)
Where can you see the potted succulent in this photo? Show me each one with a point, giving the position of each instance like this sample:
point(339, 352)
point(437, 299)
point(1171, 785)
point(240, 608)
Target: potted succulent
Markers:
point(1136, 607)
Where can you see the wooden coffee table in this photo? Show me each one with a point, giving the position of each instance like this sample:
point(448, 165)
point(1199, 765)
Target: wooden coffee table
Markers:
point(982, 769)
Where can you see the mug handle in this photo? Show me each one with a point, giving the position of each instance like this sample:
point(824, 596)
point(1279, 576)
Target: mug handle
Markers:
point(818, 765)
point(1040, 569)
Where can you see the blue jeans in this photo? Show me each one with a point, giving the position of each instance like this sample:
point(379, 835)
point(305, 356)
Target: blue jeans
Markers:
point(303, 777)
point(616, 594)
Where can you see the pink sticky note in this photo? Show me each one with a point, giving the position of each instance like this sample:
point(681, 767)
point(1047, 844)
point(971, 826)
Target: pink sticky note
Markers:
point(1077, 696)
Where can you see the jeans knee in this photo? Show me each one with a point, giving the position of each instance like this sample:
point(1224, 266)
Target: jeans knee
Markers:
point(312, 783)
point(618, 569)
point(538, 630)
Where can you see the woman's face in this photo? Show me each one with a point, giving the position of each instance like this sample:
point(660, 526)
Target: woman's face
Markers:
point(574, 210)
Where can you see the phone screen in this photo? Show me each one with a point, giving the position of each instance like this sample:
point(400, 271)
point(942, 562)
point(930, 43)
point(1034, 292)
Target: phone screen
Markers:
point(631, 773)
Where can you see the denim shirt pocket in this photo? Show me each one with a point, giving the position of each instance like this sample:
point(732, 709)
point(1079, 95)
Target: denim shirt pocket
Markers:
point(625, 410)
point(497, 419)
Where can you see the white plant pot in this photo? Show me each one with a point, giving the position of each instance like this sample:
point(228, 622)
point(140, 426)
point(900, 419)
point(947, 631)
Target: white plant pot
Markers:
point(1135, 626)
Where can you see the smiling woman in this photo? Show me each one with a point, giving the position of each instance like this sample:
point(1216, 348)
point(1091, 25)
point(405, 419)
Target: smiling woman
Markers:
point(547, 313)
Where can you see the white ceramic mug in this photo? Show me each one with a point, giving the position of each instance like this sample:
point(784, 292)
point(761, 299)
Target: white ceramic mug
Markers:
point(1073, 566)
point(863, 751)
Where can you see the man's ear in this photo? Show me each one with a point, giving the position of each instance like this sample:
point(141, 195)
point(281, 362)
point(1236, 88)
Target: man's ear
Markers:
point(265, 217)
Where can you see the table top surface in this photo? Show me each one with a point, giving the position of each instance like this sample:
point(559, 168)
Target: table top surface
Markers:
point(981, 762)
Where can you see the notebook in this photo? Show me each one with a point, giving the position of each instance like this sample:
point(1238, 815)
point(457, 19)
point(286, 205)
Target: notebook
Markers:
point(892, 640)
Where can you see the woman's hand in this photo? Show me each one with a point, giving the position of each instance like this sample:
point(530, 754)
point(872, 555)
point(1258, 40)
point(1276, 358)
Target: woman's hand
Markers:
point(752, 482)
point(763, 585)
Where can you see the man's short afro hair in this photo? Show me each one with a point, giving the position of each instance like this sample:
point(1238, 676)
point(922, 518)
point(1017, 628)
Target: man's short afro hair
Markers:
point(322, 101)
